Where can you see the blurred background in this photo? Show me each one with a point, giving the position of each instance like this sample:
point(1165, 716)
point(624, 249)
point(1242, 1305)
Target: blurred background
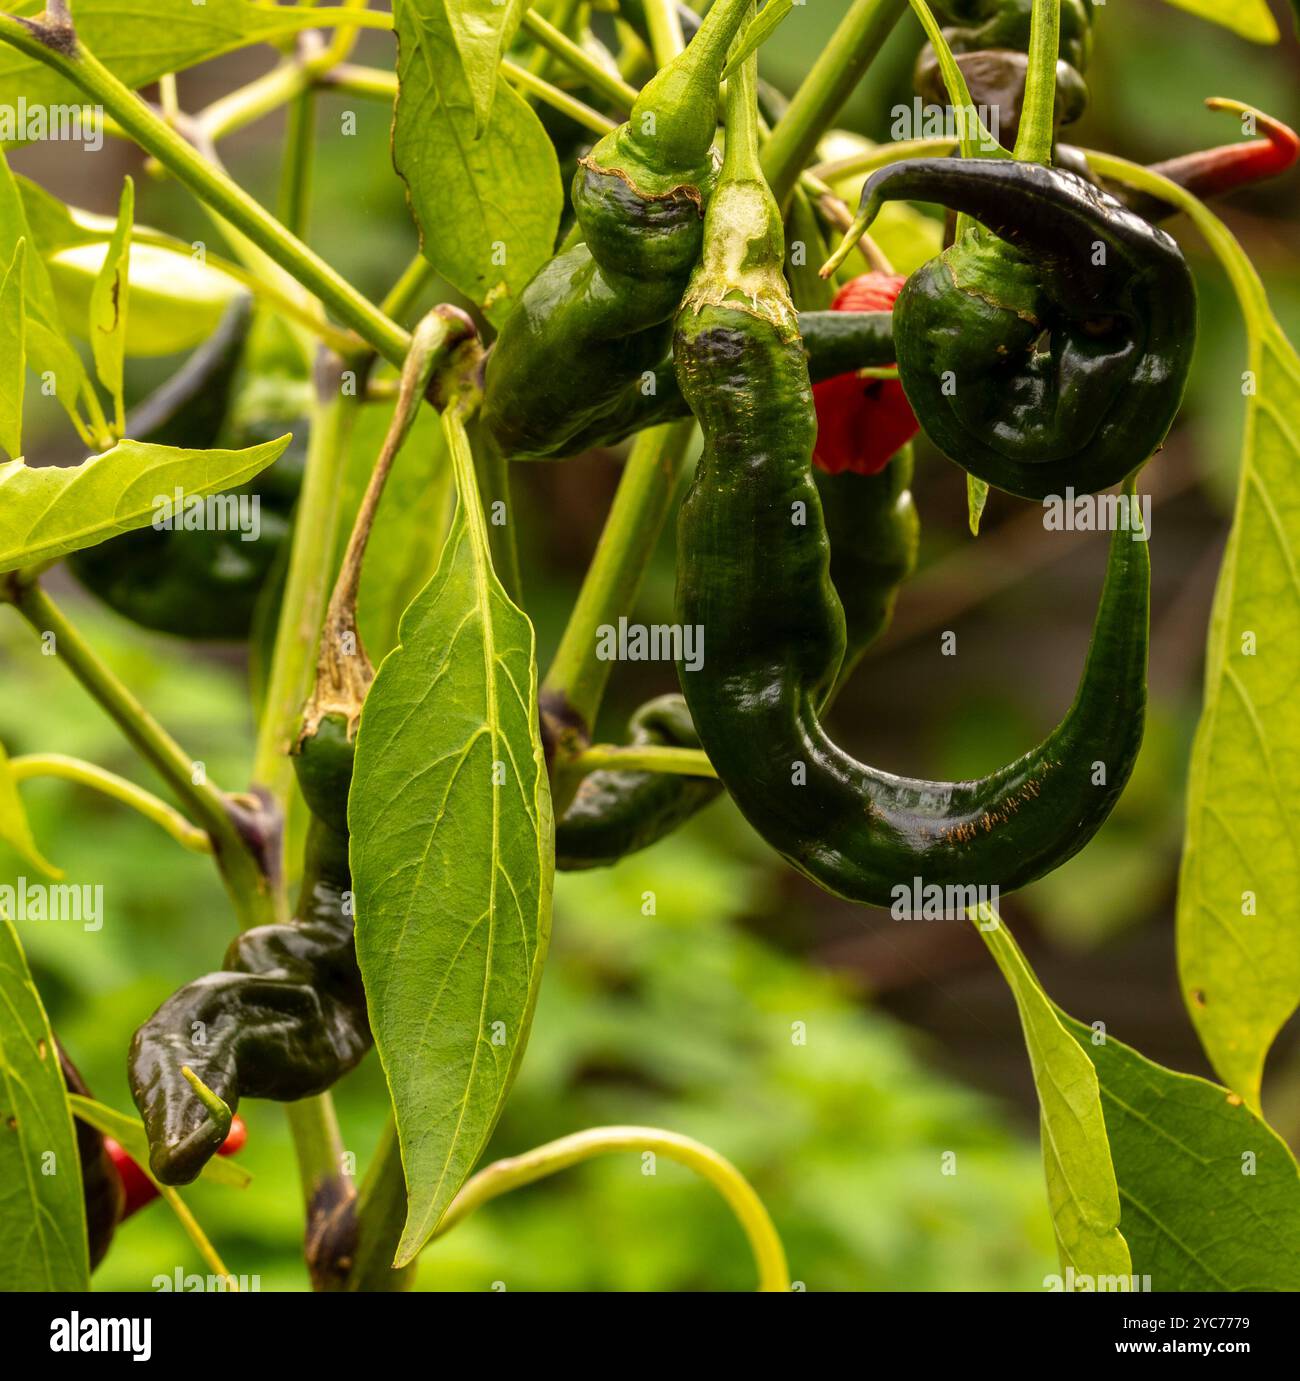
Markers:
point(684, 1019)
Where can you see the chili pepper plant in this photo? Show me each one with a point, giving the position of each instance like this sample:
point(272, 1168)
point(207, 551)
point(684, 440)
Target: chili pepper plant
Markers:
point(629, 242)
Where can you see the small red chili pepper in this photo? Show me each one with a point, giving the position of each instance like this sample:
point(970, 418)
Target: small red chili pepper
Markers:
point(1212, 172)
point(140, 1189)
point(862, 423)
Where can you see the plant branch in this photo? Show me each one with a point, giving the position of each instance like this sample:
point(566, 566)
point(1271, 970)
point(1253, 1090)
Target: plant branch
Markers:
point(504, 1175)
point(832, 78)
point(619, 94)
point(665, 26)
point(109, 784)
point(1037, 130)
point(676, 762)
point(577, 676)
point(240, 868)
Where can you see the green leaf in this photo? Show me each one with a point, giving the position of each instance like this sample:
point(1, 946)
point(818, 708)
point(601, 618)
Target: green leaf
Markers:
point(452, 849)
point(1249, 18)
point(1210, 1194)
point(140, 43)
point(487, 204)
point(46, 513)
point(14, 828)
point(13, 354)
point(977, 495)
point(1081, 1184)
point(483, 30)
point(109, 303)
point(130, 1135)
point(47, 351)
point(760, 29)
point(42, 1212)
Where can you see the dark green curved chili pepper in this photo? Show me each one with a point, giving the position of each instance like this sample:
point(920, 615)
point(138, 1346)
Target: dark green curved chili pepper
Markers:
point(101, 1185)
point(205, 584)
point(836, 343)
point(286, 1016)
point(596, 318)
point(753, 573)
point(618, 813)
point(1055, 354)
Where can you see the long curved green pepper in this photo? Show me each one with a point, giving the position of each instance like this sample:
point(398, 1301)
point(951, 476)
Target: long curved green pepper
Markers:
point(206, 583)
point(753, 571)
point(615, 813)
point(286, 1016)
point(594, 320)
point(1055, 354)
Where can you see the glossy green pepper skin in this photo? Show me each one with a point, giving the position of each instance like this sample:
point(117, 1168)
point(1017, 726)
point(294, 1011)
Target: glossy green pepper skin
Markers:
point(596, 318)
point(874, 532)
point(754, 572)
point(286, 1016)
point(836, 343)
point(1053, 352)
point(615, 814)
point(204, 584)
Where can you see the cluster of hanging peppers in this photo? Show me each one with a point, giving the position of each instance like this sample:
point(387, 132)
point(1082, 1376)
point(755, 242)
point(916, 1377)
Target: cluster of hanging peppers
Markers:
point(1047, 346)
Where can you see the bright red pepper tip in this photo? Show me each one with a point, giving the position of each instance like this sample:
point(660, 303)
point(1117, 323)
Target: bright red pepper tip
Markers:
point(862, 423)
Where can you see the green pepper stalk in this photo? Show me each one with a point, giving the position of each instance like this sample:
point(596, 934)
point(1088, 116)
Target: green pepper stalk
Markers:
point(596, 319)
point(753, 572)
point(1055, 354)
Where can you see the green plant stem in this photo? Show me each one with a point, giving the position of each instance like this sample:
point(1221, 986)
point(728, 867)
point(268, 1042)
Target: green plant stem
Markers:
point(676, 762)
point(214, 188)
point(196, 1234)
point(575, 109)
point(665, 26)
point(239, 868)
point(1037, 130)
point(504, 1175)
point(870, 159)
point(844, 60)
point(117, 788)
point(617, 92)
point(311, 559)
point(404, 294)
point(631, 533)
point(381, 1215)
point(294, 201)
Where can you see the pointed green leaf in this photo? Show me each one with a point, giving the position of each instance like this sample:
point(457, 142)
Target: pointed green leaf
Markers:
point(14, 828)
point(1081, 1184)
point(483, 30)
point(452, 851)
point(46, 513)
point(1210, 1194)
point(487, 203)
point(42, 1211)
point(48, 352)
point(759, 30)
point(13, 354)
point(1248, 18)
point(109, 304)
point(130, 1135)
point(977, 495)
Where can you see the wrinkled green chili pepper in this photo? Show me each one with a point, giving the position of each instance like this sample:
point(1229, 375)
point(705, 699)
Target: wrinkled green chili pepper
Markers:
point(286, 1016)
point(101, 1185)
point(615, 814)
point(593, 320)
point(205, 583)
point(753, 573)
point(1053, 352)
